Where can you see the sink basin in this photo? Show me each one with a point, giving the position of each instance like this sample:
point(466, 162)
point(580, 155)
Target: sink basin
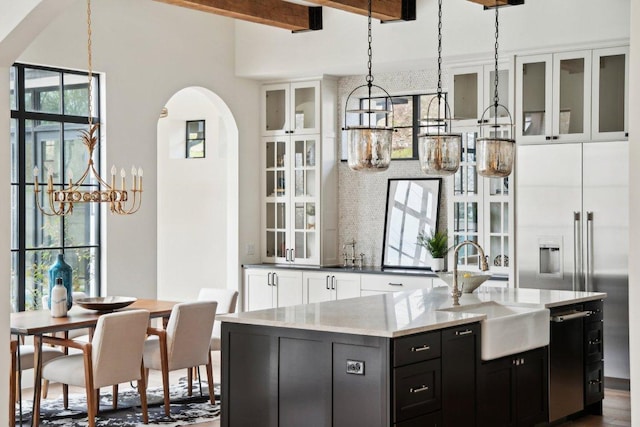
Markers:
point(467, 281)
point(509, 329)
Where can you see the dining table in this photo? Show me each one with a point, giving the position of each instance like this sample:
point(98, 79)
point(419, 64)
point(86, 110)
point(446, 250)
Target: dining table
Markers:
point(40, 322)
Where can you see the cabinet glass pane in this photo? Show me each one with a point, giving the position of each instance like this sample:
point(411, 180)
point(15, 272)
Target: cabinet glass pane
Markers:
point(311, 153)
point(281, 248)
point(533, 98)
point(281, 219)
point(305, 108)
point(498, 186)
point(276, 106)
point(572, 95)
point(465, 216)
point(611, 93)
point(299, 216)
point(505, 218)
point(467, 255)
point(271, 244)
point(271, 215)
point(311, 216)
point(465, 102)
point(498, 252)
point(270, 184)
point(280, 184)
point(503, 92)
point(270, 157)
point(310, 183)
point(495, 217)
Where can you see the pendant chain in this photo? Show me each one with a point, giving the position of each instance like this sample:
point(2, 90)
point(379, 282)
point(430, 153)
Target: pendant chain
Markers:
point(495, 96)
point(370, 51)
point(439, 49)
point(90, 70)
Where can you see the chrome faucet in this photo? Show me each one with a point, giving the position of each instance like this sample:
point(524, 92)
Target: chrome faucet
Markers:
point(456, 293)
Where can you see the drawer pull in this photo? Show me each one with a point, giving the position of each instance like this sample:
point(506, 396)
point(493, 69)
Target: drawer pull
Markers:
point(594, 342)
point(395, 284)
point(465, 332)
point(570, 316)
point(422, 348)
point(593, 382)
point(419, 389)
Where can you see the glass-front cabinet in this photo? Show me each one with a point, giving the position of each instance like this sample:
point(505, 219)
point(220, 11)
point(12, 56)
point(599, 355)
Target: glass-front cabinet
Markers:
point(479, 210)
point(291, 108)
point(609, 104)
point(299, 173)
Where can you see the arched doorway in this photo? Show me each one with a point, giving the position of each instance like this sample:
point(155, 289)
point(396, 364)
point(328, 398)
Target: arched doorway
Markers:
point(198, 198)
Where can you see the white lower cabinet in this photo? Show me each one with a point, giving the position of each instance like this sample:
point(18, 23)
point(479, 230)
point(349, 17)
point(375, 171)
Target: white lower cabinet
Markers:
point(272, 288)
point(328, 286)
point(371, 284)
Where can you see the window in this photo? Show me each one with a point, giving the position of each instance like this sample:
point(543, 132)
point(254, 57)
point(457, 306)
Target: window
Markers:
point(410, 113)
point(49, 108)
point(195, 139)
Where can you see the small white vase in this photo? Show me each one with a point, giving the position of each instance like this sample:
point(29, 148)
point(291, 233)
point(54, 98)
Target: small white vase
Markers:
point(437, 264)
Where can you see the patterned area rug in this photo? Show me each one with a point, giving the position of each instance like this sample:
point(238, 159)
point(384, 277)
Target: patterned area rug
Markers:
point(184, 410)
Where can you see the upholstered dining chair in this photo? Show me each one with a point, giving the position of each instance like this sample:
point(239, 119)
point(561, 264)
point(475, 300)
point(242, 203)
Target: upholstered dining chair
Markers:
point(23, 354)
point(113, 356)
point(183, 344)
point(227, 300)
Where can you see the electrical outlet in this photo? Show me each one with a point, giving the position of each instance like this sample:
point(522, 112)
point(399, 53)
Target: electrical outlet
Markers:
point(251, 249)
point(355, 367)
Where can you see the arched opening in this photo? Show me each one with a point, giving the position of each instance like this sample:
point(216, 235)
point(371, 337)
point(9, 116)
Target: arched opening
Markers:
point(197, 218)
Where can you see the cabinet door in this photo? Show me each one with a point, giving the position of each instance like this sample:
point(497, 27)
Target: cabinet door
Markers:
point(534, 95)
point(346, 285)
point(609, 116)
point(259, 289)
point(304, 192)
point(317, 287)
point(495, 399)
point(305, 108)
point(467, 98)
point(532, 392)
point(275, 114)
point(571, 96)
point(275, 196)
point(288, 287)
point(460, 349)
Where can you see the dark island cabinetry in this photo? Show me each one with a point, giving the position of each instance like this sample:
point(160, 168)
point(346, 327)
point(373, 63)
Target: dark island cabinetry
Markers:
point(513, 390)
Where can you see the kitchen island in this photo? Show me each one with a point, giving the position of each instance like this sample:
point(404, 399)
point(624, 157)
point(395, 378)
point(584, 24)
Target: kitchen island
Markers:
point(399, 359)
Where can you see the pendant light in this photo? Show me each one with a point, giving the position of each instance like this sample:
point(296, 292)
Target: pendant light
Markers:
point(495, 155)
point(369, 144)
point(439, 152)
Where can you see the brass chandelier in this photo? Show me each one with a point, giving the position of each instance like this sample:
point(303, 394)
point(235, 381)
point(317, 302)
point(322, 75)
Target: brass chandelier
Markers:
point(121, 201)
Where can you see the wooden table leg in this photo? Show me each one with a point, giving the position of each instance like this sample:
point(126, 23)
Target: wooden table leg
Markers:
point(37, 380)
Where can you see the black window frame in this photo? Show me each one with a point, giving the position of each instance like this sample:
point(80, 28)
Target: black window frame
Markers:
point(190, 142)
point(21, 115)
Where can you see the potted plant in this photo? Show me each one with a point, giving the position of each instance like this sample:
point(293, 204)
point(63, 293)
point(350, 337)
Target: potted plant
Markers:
point(437, 245)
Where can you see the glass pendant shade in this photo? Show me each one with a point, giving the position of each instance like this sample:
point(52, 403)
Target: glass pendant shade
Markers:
point(369, 147)
point(439, 154)
point(495, 156)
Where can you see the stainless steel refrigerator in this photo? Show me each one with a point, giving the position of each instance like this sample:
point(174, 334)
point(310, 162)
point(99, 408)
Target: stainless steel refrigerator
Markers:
point(572, 220)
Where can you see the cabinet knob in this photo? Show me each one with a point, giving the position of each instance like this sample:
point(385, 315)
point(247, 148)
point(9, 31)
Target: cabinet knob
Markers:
point(548, 138)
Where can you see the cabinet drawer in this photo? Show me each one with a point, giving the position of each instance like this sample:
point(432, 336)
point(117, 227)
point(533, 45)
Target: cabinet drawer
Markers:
point(596, 308)
point(594, 383)
point(593, 342)
point(394, 283)
point(430, 420)
point(416, 348)
point(416, 389)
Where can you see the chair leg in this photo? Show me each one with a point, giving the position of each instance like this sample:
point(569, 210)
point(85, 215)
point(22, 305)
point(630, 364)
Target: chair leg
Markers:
point(189, 381)
point(212, 397)
point(164, 360)
point(65, 395)
point(12, 386)
point(142, 389)
point(115, 396)
point(91, 392)
point(97, 402)
point(45, 389)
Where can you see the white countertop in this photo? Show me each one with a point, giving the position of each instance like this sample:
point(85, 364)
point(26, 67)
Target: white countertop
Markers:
point(401, 313)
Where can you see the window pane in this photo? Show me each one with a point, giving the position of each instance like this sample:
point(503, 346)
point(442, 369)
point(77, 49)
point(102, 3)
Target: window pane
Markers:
point(76, 95)
point(81, 228)
point(41, 230)
point(37, 276)
point(429, 107)
point(12, 89)
point(42, 140)
point(14, 150)
point(83, 264)
point(402, 110)
point(14, 281)
point(44, 90)
point(76, 155)
point(14, 217)
point(402, 144)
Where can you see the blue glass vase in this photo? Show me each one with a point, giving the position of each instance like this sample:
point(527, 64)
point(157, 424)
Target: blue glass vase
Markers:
point(63, 270)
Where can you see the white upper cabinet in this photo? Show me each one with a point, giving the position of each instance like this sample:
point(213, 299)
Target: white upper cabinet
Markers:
point(291, 108)
point(473, 90)
point(609, 96)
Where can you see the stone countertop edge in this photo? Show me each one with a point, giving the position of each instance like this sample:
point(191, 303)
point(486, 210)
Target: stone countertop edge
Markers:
point(363, 270)
point(401, 313)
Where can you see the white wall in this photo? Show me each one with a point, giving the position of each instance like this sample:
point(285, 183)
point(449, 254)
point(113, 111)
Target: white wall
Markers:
point(340, 48)
point(148, 51)
point(192, 225)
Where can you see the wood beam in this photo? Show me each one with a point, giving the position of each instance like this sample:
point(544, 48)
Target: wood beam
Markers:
point(490, 4)
point(384, 10)
point(277, 13)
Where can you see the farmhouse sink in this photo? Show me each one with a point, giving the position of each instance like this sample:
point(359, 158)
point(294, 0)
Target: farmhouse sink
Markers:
point(509, 329)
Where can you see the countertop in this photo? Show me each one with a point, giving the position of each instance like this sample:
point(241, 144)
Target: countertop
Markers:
point(401, 313)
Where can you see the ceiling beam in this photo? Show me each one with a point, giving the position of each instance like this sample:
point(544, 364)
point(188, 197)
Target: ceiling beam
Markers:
point(384, 10)
point(490, 4)
point(277, 13)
